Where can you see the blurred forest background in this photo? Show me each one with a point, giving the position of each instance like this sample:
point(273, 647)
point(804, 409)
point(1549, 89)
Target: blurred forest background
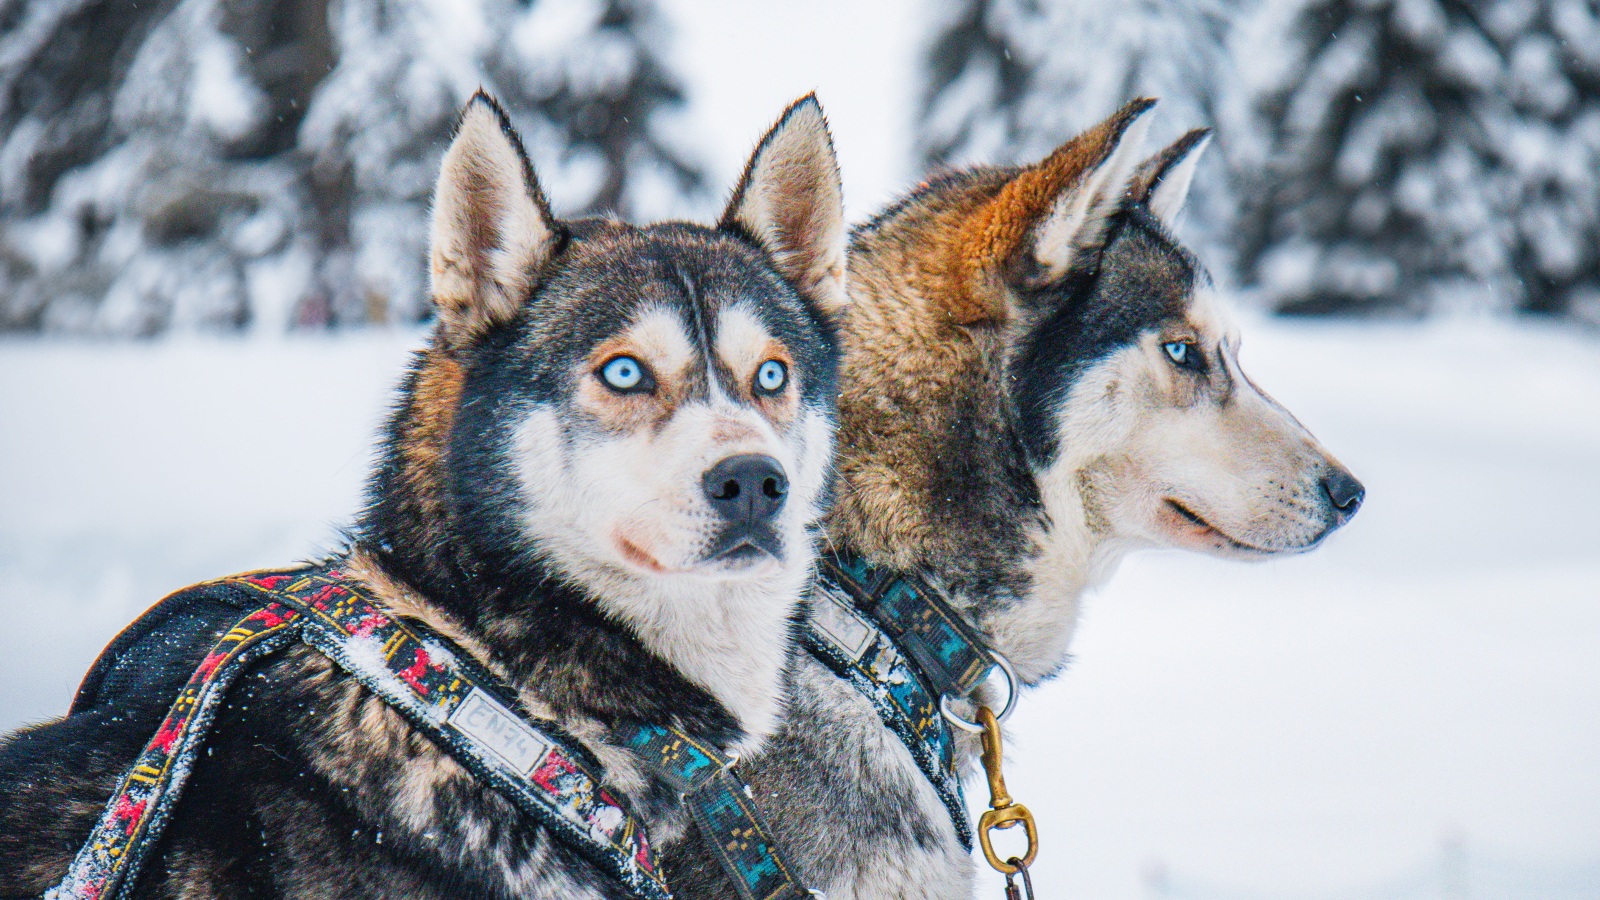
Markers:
point(265, 165)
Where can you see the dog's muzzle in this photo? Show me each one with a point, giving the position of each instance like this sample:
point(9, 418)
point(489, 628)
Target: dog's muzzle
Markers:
point(746, 491)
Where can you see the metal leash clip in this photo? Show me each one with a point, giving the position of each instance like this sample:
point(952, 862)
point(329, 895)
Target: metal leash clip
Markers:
point(1003, 812)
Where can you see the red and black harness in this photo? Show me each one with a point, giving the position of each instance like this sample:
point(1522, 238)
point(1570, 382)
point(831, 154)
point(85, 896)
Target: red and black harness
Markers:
point(446, 695)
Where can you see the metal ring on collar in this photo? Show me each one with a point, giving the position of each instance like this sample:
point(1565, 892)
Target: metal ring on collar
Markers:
point(1011, 699)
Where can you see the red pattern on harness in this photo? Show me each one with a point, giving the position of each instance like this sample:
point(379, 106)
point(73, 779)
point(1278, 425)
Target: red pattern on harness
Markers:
point(417, 671)
point(326, 596)
point(270, 582)
point(268, 616)
point(130, 812)
point(172, 728)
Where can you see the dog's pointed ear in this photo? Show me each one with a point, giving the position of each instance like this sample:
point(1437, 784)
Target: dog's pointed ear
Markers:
point(790, 200)
point(1046, 218)
point(1076, 221)
point(492, 228)
point(1162, 182)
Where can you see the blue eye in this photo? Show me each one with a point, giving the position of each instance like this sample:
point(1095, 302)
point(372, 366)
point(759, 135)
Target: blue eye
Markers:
point(624, 374)
point(771, 377)
point(1178, 352)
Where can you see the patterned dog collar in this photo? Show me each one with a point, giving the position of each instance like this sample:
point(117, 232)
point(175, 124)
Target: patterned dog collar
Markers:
point(731, 826)
point(897, 642)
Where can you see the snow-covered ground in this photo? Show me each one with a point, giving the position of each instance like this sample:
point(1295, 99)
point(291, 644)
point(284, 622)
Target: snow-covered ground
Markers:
point(1415, 704)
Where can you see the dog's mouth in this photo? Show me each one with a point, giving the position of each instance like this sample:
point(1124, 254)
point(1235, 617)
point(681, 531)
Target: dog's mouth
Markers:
point(741, 547)
point(736, 550)
point(1206, 531)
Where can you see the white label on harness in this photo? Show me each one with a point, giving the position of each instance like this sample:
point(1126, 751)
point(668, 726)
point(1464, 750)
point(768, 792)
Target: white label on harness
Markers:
point(839, 622)
point(498, 730)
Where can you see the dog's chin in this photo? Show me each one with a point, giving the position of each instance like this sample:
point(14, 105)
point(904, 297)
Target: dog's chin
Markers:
point(1185, 529)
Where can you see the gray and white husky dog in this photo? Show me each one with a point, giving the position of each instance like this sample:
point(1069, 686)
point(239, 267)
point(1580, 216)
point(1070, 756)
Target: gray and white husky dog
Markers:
point(1037, 379)
point(601, 478)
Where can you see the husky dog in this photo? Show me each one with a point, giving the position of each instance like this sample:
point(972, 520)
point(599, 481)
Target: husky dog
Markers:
point(601, 478)
point(1037, 379)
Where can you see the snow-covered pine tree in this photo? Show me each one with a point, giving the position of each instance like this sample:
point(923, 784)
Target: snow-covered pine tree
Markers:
point(223, 164)
point(1009, 80)
point(1432, 155)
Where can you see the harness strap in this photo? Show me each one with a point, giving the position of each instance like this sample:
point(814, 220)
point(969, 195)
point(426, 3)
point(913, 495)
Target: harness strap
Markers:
point(439, 689)
point(137, 812)
point(456, 703)
point(901, 647)
point(722, 807)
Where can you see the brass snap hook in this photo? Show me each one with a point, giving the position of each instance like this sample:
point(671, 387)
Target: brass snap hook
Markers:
point(1003, 812)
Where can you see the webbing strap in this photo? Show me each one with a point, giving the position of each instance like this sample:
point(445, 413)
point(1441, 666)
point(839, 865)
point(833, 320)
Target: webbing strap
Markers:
point(438, 688)
point(137, 812)
point(901, 648)
point(722, 807)
point(452, 700)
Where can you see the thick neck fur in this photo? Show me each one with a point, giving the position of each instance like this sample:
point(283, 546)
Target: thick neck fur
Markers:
point(541, 626)
point(932, 475)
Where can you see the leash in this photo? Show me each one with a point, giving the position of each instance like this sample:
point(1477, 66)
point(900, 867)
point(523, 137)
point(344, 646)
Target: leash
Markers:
point(896, 640)
point(447, 696)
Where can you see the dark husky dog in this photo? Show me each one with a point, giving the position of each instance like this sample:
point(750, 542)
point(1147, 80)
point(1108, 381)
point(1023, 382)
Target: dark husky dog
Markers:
point(601, 479)
point(1037, 379)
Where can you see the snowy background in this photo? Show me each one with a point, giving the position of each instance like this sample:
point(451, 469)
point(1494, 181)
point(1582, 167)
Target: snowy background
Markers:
point(1412, 711)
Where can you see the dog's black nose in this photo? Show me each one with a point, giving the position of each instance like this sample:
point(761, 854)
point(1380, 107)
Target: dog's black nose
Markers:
point(748, 488)
point(1344, 492)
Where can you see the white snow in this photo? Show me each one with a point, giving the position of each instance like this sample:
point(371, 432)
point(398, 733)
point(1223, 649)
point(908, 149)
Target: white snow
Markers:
point(744, 62)
point(365, 654)
point(1302, 728)
point(224, 99)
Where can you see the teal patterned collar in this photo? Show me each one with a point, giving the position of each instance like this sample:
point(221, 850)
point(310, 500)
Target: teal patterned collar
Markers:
point(894, 637)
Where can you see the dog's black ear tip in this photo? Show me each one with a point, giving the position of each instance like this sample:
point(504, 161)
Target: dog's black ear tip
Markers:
point(482, 99)
point(1138, 106)
point(480, 104)
point(805, 112)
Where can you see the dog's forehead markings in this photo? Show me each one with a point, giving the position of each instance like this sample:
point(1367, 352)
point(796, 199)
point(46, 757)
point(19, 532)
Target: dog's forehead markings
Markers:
point(743, 340)
point(695, 303)
point(661, 337)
